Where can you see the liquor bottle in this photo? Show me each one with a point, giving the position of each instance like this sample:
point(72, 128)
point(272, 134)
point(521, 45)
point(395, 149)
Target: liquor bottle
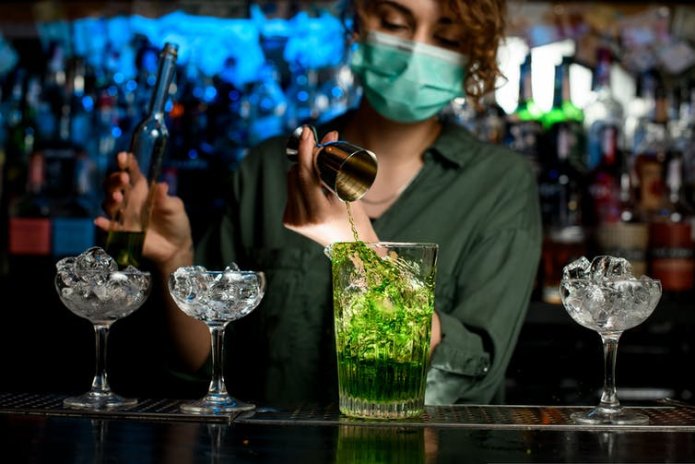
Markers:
point(604, 112)
point(492, 120)
point(650, 156)
point(560, 185)
point(640, 110)
point(148, 143)
point(29, 214)
point(562, 156)
point(670, 231)
point(524, 123)
point(73, 214)
point(628, 235)
point(603, 204)
point(685, 141)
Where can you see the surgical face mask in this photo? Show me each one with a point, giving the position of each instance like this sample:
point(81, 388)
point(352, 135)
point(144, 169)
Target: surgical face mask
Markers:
point(407, 81)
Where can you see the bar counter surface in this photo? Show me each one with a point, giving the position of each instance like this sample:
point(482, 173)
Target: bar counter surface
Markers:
point(36, 428)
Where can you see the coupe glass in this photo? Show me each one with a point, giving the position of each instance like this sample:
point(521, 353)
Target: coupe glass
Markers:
point(216, 298)
point(604, 296)
point(91, 286)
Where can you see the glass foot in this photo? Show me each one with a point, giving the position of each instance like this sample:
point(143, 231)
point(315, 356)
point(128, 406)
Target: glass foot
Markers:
point(98, 400)
point(610, 416)
point(216, 404)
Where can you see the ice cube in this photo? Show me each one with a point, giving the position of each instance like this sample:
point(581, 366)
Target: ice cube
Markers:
point(232, 268)
point(225, 287)
point(610, 267)
point(190, 283)
point(95, 259)
point(577, 269)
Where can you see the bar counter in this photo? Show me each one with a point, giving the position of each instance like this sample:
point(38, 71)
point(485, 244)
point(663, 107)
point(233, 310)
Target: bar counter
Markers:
point(36, 428)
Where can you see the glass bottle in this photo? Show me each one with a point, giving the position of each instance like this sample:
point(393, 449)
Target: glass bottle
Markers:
point(650, 156)
point(685, 140)
point(30, 214)
point(492, 120)
point(626, 236)
point(524, 123)
point(560, 186)
point(148, 143)
point(604, 112)
point(73, 215)
point(562, 156)
point(670, 232)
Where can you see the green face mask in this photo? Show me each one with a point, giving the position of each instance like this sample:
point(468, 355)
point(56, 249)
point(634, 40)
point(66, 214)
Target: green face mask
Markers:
point(407, 81)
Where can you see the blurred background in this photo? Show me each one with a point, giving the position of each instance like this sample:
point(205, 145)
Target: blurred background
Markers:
point(600, 96)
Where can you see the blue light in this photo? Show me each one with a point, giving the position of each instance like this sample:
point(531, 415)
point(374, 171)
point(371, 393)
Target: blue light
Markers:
point(210, 93)
point(151, 79)
point(303, 95)
point(193, 154)
point(131, 85)
point(116, 132)
point(337, 92)
point(88, 103)
point(118, 78)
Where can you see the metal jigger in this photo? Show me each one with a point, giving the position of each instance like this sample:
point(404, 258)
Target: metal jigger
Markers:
point(345, 169)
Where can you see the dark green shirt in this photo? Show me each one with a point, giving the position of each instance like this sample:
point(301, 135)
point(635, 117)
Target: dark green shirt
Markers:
point(477, 201)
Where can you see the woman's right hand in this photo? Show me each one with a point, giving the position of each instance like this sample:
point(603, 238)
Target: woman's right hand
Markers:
point(169, 241)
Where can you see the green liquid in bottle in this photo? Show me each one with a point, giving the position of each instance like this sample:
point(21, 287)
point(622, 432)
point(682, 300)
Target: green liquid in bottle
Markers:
point(125, 247)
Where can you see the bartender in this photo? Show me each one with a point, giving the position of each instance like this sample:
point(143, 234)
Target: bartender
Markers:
point(435, 183)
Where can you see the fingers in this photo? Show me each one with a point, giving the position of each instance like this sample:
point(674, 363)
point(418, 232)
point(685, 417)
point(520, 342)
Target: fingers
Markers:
point(103, 223)
point(332, 136)
point(122, 160)
point(305, 160)
point(129, 163)
point(164, 202)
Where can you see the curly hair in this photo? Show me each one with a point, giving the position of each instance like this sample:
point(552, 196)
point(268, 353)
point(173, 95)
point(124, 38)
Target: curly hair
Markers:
point(484, 23)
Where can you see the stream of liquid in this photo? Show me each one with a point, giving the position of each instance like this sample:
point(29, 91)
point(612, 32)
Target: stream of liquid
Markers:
point(355, 235)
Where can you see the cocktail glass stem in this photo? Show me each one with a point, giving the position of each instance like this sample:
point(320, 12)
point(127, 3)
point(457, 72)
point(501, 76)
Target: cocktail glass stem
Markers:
point(100, 383)
point(609, 410)
point(609, 397)
point(217, 400)
point(100, 395)
point(217, 389)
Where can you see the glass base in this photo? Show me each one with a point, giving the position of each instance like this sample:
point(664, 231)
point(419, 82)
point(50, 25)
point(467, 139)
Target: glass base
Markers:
point(98, 400)
point(365, 409)
point(216, 404)
point(610, 416)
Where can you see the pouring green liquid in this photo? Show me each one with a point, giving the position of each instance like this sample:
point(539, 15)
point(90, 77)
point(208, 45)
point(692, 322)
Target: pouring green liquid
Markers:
point(383, 311)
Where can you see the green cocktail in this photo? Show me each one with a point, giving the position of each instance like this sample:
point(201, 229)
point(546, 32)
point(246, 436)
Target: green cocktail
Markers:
point(383, 295)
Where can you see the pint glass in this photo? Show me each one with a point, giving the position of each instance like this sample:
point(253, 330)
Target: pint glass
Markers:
point(383, 298)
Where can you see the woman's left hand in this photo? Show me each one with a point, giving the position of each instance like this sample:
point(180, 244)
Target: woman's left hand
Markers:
point(314, 211)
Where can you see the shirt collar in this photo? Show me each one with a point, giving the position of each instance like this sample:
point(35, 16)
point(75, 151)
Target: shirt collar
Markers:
point(454, 144)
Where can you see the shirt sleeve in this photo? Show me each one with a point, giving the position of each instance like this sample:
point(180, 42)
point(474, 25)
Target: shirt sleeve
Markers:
point(491, 296)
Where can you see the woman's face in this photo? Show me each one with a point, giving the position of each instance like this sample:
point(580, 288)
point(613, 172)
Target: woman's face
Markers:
point(428, 21)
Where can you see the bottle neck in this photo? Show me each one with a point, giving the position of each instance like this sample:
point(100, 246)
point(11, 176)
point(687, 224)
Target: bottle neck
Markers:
point(558, 89)
point(525, 84)
point(165, 74)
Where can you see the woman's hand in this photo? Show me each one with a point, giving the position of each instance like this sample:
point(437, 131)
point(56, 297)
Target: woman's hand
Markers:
point(169, 241)
point(314, 211)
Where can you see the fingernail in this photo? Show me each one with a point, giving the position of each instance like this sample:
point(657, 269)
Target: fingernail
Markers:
point(305, 133)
